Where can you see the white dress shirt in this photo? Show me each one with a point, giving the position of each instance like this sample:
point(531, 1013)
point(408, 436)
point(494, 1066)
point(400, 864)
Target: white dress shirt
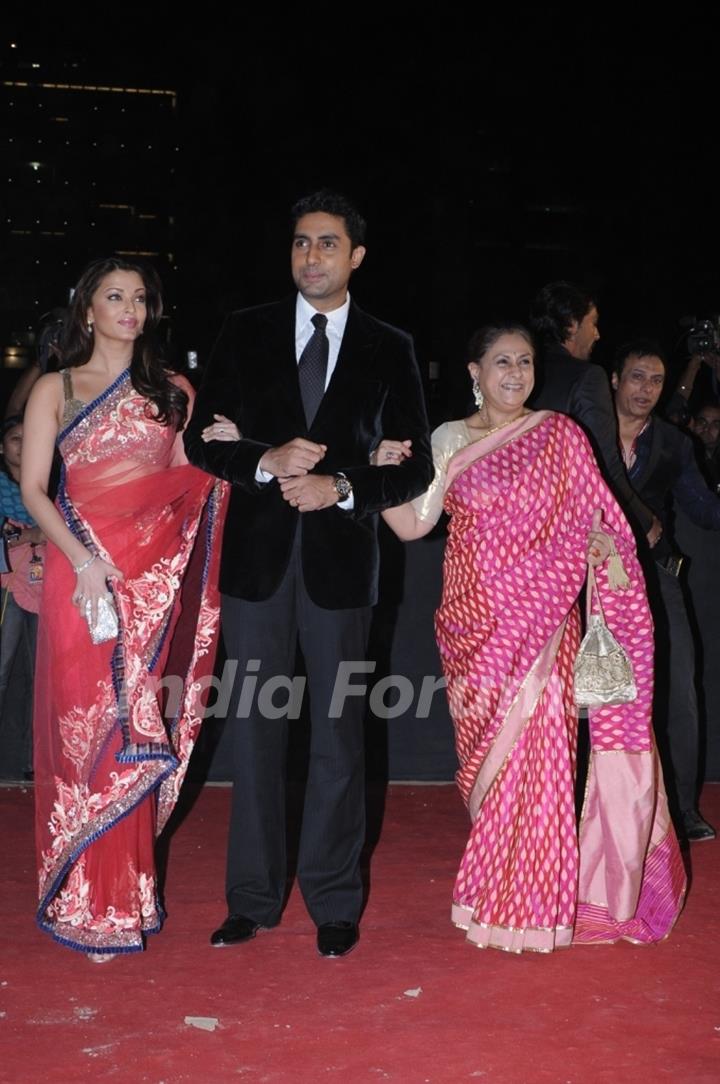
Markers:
point(335, 329)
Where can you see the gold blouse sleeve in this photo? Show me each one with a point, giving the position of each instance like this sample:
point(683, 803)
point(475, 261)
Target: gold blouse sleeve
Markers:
point(446, 440)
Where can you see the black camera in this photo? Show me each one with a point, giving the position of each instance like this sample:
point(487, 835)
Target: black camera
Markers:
point(703, 336)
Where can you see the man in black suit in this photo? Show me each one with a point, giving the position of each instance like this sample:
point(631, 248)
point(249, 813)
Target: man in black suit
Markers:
point(565, 318)
point(660, 463)
point(312, 384)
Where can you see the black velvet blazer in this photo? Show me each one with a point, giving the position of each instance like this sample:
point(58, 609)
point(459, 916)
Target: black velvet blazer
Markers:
point(375, 391)
point(671, 477)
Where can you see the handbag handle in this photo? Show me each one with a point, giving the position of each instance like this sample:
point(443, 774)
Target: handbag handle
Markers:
point(592, 589)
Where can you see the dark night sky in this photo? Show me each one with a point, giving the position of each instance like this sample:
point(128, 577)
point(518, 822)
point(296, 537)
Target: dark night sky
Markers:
point(453, 139)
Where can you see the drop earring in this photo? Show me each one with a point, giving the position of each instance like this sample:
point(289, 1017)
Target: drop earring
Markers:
point(477, 395)
point(90, 327)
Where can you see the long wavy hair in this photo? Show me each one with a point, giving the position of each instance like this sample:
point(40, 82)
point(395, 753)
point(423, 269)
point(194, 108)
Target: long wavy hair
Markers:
point(148, 373)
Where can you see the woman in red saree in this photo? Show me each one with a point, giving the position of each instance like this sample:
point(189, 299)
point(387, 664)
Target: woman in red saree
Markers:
point(525, 499)
point(134, 529)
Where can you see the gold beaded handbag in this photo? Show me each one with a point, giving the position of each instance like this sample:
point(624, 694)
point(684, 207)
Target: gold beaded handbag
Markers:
point(603, 672)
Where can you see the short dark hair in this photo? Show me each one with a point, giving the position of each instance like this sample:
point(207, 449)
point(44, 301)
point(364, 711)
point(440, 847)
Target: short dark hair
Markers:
point(11, 422)
point(486, 336)
point(637, 348)
point(556, 307)
point(327, 202)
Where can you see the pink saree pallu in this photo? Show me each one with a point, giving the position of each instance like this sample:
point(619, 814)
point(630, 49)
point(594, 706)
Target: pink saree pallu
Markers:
point(521, 503)
point(115, 723)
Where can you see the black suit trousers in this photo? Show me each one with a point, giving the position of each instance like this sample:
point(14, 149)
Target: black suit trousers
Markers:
point(262, 637)
point(675, 708)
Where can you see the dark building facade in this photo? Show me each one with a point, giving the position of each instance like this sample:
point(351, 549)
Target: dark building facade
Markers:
point(89, 170)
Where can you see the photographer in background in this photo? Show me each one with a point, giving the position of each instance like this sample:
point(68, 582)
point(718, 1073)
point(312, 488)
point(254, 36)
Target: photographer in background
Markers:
point(700, 378)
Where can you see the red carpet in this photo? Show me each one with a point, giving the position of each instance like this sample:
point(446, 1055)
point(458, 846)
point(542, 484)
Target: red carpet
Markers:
point(414, 1003)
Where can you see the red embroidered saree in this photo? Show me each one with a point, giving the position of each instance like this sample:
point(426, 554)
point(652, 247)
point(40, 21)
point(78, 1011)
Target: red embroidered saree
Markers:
point(521, 504)
point(111, 745)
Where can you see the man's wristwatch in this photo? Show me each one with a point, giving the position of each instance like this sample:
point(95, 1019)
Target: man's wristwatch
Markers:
point(343, 486)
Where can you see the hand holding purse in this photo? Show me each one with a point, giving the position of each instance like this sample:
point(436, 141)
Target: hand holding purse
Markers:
point(106, 626)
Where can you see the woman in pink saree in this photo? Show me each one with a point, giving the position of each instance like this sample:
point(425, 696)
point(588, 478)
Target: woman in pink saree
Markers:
point(133, 535)
point(525, 500)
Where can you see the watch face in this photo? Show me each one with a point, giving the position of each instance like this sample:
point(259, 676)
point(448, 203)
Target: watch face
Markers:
point(343, 487)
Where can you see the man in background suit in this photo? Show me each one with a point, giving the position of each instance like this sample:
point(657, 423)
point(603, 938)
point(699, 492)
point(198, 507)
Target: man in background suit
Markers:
point(565, 318)
point(660, 463)
point(312, 384)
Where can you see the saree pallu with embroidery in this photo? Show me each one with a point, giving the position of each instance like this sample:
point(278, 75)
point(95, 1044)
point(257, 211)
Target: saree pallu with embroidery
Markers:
point(115, 723)
point(521, 503)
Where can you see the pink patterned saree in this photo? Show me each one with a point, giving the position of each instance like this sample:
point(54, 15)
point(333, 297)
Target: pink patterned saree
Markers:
point(115, 723)
point(521, 503)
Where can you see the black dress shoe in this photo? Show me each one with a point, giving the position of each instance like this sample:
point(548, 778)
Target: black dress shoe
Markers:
point(337, 938)
point(696, 828)
point(234, 930)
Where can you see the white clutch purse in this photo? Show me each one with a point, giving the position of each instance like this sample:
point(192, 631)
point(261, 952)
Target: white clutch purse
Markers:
point(106, 626)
